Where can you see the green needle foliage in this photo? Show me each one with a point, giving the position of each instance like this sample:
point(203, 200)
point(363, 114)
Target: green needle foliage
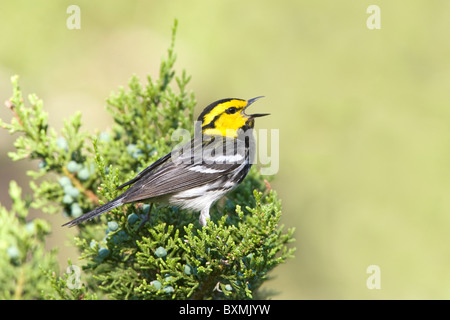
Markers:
point(22, 252)
point(129, 254)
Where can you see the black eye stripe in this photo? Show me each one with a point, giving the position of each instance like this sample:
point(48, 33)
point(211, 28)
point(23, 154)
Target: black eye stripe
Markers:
point(212, 124)
point(231, 110)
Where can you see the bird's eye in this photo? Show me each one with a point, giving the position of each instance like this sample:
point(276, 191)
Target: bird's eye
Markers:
point(231, 110)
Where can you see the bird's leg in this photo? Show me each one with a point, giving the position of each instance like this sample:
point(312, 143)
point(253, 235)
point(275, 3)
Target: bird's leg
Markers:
point(146, 216)
point(204, 216)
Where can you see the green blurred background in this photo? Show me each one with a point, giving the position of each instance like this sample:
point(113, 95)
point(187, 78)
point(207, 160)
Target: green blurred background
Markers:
point(364, 117)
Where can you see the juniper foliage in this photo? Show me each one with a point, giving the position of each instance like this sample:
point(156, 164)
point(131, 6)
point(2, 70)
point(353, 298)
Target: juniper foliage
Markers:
point(126, 255)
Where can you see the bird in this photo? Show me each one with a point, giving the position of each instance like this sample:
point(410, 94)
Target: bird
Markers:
point(198, 173)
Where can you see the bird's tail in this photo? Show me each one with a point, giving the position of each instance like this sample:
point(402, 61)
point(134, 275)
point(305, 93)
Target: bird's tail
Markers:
point(97, 211)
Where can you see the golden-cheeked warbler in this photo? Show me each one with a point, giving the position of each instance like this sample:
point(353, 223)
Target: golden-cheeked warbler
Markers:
point(197, 174)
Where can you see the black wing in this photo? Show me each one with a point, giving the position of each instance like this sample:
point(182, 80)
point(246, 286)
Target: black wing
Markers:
point(147, 170)
point(195, 164)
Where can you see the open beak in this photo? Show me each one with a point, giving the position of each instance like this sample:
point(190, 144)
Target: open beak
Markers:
point(256, 115)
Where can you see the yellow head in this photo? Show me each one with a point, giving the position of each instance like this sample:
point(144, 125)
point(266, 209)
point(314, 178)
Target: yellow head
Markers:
point(225, 117)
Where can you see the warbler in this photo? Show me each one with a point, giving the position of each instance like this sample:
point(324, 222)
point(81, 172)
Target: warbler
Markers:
point(197, 174)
